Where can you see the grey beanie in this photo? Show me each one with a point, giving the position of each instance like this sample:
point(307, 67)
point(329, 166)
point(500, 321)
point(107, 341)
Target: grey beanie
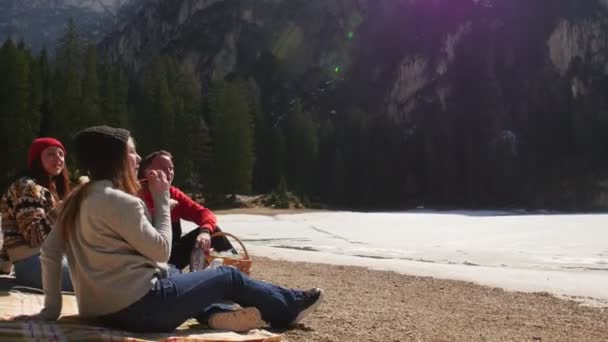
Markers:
point(104, 133)
point(95, 146)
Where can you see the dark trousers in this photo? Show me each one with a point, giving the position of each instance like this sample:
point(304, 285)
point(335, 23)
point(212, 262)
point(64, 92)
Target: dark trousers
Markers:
point(183, 245)
point(181, 296)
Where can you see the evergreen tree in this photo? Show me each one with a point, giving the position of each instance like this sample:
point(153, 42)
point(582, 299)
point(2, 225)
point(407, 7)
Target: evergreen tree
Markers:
point(91, 108)
point(269, 151)
point(121, 114)
point(170, 117)
point(302, 150)
point(164, 114)
point(279, 198)
point(107, 94)
point(203, 156)
point(233, 135)
point(190, 129)
point(336, 191)
point(36, 93)
point(277, 156)
point(46, 87)
point(156, 116)
point(354, 151)
point(114, 92)
point(327, 147)
point(17, 115)
point(67, 85)
point(261, 181)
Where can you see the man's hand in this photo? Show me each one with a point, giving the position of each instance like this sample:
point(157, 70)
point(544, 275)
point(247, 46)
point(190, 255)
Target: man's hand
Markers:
point(203, 241)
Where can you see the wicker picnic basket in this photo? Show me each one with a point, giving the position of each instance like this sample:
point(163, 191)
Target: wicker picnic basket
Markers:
point(242, 262)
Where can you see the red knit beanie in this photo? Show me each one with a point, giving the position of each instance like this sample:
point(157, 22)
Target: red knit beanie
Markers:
point(38, 145)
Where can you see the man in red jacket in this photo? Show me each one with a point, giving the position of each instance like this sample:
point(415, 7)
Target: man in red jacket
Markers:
point(182, 207)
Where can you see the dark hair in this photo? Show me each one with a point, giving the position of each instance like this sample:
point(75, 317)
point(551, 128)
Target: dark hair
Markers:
point(146, 162)
point(103, 158)
point(59, 185)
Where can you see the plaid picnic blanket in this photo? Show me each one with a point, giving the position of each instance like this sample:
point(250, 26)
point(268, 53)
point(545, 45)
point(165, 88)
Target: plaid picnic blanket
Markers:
point(70, 328)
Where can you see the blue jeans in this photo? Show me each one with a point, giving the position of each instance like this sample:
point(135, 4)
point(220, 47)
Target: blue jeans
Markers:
point(28, 272)
point(182, 296)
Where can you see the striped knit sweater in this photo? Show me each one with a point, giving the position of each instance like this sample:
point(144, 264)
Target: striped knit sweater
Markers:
point(26, 218)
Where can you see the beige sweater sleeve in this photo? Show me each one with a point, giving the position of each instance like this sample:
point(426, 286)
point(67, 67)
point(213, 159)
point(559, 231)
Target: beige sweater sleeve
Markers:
point(50, 258)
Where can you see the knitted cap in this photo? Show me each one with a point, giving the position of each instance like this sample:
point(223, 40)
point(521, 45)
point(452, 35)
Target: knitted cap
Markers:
point(38, 145)
point(105, 132)
point(96, 145)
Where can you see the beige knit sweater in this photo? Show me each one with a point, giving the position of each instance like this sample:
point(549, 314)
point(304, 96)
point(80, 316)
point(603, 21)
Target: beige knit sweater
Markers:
point(114, 252)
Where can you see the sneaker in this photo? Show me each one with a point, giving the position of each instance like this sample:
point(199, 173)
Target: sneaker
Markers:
point(239, 320)
point(309, 302)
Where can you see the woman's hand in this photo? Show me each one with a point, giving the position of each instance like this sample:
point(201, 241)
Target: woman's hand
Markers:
point(157, 181)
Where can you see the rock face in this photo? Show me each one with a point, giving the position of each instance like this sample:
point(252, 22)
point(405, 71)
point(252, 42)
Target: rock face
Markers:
point(39, 23)
point(90, 5)
point(411, 45)
point(219, 36)
point(479, 86)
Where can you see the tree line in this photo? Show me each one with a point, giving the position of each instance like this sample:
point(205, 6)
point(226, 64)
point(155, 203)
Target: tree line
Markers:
point(228, 137)
point(222, 141)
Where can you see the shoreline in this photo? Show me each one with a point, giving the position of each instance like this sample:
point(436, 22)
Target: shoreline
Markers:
point(500, 251)
point(266, 211)
point(370, 305)
point(560, 284)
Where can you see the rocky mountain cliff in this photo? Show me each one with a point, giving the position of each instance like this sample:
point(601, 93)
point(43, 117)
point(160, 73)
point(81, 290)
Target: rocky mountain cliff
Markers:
point(491, 95)
point(39, 23)
point(404, 47)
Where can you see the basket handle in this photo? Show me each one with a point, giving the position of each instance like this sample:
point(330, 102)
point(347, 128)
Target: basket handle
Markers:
point(235, 238)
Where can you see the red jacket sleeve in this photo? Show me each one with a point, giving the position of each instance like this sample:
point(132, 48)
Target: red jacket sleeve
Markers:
point(189, 210)
point(146, 196)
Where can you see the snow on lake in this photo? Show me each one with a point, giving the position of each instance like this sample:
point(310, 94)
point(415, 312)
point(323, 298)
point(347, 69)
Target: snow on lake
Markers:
point(566, 255)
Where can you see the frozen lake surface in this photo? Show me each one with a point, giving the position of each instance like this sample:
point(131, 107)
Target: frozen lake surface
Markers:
point(566, 255)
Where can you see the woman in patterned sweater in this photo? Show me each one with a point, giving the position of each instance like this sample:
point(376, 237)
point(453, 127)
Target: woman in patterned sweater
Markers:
point(28, 210)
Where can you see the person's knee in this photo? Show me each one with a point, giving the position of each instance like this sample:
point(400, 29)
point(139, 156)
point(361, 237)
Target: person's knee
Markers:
point(236, 277)
point(231, 270)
